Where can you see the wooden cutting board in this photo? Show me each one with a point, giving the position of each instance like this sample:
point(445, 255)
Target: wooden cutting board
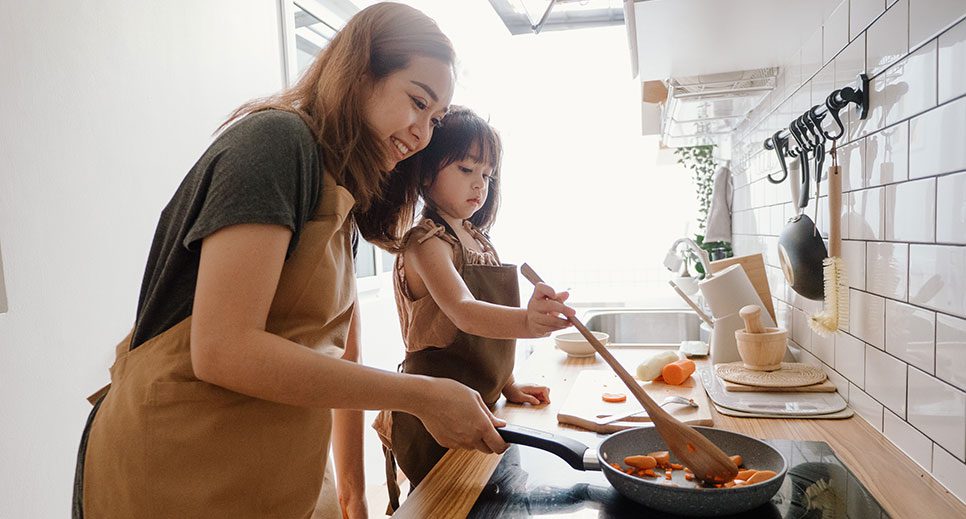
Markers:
point(584, 404)
point(825, 386)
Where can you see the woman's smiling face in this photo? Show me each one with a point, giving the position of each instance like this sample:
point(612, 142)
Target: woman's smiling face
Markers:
point(408, 104)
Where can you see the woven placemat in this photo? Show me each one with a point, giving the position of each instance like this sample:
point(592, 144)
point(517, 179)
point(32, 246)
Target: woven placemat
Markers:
point(791, 374)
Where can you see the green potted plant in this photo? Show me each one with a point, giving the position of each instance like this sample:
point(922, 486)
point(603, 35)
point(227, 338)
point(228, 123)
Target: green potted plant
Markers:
point(700, 160)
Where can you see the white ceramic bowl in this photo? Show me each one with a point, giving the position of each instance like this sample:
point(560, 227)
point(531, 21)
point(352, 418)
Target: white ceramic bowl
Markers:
point(576, 346)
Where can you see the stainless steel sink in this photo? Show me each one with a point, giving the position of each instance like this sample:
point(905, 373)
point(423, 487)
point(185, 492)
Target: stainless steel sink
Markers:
point(645, 327)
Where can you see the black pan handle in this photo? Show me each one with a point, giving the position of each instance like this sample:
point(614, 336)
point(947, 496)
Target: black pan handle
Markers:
point(576, 454)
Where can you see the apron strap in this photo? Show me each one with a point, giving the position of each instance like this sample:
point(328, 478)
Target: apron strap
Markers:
point(391, 484)
point(431, 213)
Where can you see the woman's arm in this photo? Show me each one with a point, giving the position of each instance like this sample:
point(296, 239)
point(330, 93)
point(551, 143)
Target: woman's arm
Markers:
point(347, 437)
point(432, 261)
point(237, 278)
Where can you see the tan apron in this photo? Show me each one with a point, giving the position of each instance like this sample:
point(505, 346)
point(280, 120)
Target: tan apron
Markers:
point(165, 444)
point(481, 363)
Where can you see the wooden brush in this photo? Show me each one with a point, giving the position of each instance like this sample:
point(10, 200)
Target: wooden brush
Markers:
point(835, 311)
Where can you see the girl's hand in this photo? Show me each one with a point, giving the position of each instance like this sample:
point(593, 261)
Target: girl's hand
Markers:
point(545, 311)
point(527, 394)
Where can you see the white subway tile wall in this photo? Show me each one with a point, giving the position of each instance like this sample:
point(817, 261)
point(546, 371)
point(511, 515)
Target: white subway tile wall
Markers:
point(917, 445)
point(901, 361)
point(952, 58)
point(911, 334)
point(951, 203)
point(951, 350)
point(888, 39)
point(936, 408)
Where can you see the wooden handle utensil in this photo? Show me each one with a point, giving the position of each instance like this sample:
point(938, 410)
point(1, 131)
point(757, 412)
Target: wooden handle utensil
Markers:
point(708, 463)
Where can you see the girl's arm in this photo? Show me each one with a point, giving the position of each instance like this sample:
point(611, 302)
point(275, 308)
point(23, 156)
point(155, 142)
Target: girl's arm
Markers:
point(347, 439)
point(432, 261)
point(237, 278)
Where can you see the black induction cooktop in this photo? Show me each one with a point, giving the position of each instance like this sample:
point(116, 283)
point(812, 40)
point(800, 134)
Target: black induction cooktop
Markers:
point(532, 483)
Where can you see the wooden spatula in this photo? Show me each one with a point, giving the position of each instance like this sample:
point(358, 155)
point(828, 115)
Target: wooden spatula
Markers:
point(708, 463)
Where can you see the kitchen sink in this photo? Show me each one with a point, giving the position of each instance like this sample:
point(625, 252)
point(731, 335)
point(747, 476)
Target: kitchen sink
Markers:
point(646, 327)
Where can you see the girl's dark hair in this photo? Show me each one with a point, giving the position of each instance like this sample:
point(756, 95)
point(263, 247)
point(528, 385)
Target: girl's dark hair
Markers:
point(453, 141)
point(331, 97)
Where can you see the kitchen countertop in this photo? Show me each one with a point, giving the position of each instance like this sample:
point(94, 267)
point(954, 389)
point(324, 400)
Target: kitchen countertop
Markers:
point(903, 488)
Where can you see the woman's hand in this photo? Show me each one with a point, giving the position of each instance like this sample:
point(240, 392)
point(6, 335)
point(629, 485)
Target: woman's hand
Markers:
point(546, 312)
point(353, 506)
point(457, 417)
point(527, 393)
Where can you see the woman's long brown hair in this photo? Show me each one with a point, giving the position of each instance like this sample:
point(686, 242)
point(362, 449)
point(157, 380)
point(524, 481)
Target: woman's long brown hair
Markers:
point(331, 97)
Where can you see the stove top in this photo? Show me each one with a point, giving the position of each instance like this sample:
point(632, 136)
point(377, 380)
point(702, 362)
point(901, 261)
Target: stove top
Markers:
point(529, 482)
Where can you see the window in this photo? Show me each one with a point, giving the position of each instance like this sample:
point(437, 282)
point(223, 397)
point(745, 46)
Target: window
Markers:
point(308, 26)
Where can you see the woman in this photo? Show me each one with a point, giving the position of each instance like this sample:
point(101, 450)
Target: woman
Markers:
point(247, 325)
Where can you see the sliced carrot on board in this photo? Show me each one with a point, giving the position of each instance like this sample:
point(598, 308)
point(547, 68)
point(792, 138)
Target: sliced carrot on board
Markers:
point(614, 398)
point(677, 372)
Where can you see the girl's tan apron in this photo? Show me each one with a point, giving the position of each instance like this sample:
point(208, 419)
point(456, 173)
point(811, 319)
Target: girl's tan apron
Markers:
point(481, 363)
point(165, 444)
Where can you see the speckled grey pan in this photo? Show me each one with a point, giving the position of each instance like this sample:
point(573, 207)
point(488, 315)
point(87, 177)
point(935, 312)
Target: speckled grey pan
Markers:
point(657, 493)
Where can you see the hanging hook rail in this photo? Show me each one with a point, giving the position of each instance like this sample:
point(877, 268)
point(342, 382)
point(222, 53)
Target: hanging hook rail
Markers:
point(807, 132)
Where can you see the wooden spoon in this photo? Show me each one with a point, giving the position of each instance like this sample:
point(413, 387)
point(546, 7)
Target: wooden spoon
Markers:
point(708, 463)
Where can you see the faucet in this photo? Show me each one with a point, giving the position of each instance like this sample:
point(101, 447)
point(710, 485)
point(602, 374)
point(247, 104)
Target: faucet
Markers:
point(674, 259)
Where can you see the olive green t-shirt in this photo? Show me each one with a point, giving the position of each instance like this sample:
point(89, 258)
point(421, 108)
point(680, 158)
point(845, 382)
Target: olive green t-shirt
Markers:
point(265, 168)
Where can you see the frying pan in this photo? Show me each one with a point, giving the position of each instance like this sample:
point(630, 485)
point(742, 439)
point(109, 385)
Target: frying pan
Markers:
point(684, 499)
point(801, 250)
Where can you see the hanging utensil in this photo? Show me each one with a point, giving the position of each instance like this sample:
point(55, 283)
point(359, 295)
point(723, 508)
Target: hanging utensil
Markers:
point(801, 250)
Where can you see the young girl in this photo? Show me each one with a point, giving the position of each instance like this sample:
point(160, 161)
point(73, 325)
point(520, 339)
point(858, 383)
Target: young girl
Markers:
point(221, 398)
point(458, 305)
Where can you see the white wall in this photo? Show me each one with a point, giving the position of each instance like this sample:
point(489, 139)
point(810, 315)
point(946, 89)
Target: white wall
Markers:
point(106, 105)
point(901, 361)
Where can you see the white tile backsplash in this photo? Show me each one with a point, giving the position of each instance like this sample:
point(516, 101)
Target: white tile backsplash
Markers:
point(901, 360)
point(888, 39)
point(850, 357)
point(937, 277)
point(928, 17)
point(910, 211)
point(916, 445)
point(853, 254)
point(885, 379)
point(886, 269)
point(866, 406)
point(851, 157)
point(824, 347)
point(835, 34)
point(936, 140)
point(848, 65)
point(865, 218)
point(887, 155)
point(811, 59)
point(906, 88)
point(911, 334)
point(951, 350)
point(951, 204)
point(938, 410)
point(949, 471)
point(952, 63)
point(861, 15)
point(867, 317)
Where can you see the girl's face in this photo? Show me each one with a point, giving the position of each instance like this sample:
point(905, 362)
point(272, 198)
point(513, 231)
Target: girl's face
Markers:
point(461, 188)
point(408, 104)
